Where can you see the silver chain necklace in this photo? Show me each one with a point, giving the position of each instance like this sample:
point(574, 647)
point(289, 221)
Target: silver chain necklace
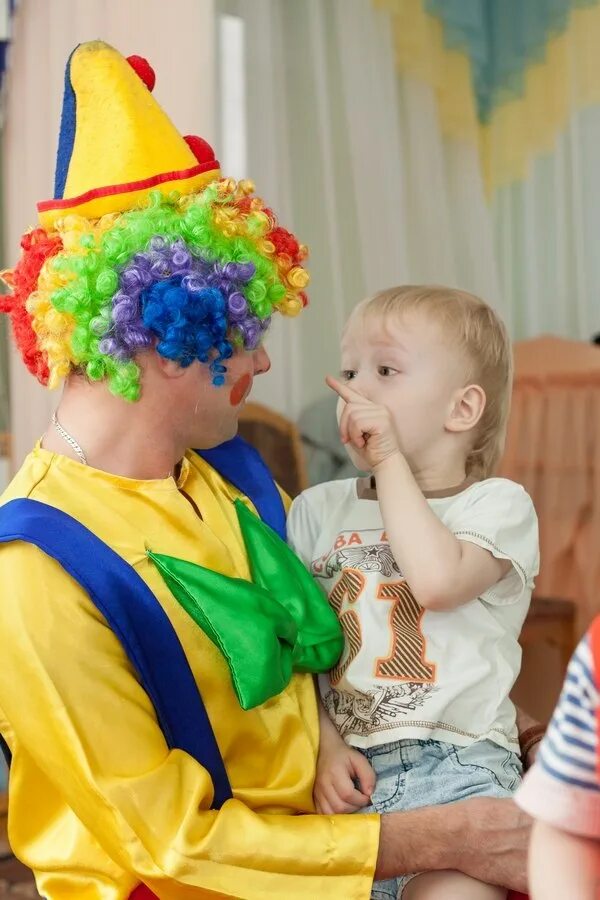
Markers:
point(69, 439)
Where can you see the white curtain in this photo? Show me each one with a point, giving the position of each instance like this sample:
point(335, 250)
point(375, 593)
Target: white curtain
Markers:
point(353, 160)
point(547, 228)
point(178, 39)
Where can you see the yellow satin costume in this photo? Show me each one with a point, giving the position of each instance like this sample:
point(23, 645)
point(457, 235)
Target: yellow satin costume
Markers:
point(97, 801)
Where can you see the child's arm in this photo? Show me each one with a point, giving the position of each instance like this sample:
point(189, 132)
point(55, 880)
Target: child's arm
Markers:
point(339, 768)
point(462, 570)
point(562, 865)
point(345, 780)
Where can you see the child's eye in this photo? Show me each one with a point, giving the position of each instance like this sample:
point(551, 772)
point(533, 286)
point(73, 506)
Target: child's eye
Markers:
point(386, 370)
point(348, 374)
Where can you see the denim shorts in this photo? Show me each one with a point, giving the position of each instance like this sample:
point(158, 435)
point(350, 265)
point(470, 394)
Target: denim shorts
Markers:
point(411, 774)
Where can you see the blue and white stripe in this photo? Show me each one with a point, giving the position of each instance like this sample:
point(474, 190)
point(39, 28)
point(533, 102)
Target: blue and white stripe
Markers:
point(569, 751)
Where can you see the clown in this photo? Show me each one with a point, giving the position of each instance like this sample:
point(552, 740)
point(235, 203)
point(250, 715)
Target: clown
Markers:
point(157, 637)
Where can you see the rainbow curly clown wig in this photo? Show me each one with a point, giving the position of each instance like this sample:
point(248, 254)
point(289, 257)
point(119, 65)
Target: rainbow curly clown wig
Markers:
point(165, 253)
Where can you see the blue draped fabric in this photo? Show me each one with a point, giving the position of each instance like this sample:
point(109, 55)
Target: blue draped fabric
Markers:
point(502, 38)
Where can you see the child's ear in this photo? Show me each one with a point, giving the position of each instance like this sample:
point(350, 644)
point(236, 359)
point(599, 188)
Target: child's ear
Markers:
point(467, 408)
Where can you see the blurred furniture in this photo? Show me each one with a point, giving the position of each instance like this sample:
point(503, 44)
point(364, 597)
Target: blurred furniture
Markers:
point(278, 441)
point(15, 879)
point(551, 621)
point(553, 449)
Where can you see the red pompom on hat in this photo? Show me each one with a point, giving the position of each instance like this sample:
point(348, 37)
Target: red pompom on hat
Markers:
point(142, 67)
point(199, 147)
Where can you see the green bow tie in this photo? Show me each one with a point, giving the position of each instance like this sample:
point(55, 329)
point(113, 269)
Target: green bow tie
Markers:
point(266, 629)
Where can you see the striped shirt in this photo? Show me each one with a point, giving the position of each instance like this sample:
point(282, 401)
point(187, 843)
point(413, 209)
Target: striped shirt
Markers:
point(563, 788)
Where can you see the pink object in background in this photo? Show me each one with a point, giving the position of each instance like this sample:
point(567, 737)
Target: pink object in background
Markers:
point(553, 449)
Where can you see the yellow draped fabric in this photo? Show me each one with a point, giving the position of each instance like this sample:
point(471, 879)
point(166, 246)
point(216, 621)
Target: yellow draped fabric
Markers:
point(519, 129)
point(420, 52)
point(97, 801)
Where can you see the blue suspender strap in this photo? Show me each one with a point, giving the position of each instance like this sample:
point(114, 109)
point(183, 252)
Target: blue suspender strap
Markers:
point(245, 469)
point(138, 620)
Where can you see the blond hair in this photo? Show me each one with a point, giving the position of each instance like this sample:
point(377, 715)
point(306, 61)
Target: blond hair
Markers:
point(476, 329)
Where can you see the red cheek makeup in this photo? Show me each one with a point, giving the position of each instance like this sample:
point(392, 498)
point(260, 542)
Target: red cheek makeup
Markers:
point(240, 389)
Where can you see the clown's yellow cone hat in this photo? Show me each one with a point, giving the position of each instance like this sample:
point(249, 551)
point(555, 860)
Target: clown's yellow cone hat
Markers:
point(116, 144)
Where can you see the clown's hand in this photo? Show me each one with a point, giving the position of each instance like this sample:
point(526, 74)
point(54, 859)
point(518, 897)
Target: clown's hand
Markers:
point(366, 426)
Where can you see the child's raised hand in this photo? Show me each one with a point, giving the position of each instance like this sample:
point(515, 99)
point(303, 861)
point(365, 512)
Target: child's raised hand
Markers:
point(366, 425)
point(339, 770)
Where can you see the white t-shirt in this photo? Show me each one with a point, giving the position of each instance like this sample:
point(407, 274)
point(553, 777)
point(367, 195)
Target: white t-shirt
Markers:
point(407, 672)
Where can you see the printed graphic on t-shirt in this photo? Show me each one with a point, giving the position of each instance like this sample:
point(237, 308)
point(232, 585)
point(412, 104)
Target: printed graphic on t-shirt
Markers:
point(372, 558)
point(349, 551)
point(356, 561)
point(380, 709)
